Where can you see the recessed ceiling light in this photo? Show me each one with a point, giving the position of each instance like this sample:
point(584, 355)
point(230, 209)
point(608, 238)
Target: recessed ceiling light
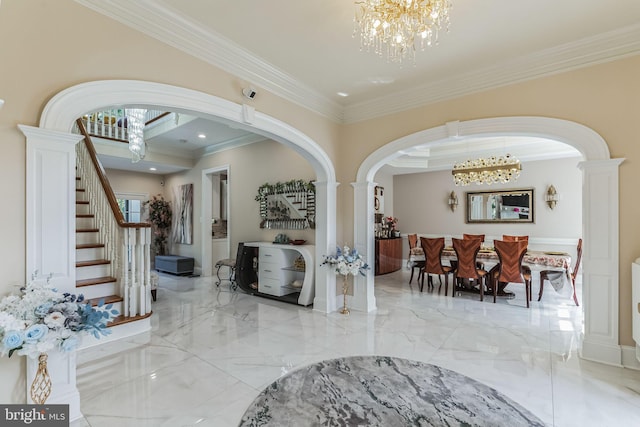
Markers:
point(202, 136)
point(343, 94)
point(153, 169)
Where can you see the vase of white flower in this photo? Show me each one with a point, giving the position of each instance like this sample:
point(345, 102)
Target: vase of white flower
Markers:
point(40, 320)
point(346, 262)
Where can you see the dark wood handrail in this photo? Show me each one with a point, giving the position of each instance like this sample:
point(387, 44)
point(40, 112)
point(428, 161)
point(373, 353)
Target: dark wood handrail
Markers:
point(102, 176)
point(158, 117)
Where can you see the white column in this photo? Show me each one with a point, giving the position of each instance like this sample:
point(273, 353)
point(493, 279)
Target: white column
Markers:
point(325, 293)
point(51, 240)
point(51, 202)
point(364, 298)
point(600, 284)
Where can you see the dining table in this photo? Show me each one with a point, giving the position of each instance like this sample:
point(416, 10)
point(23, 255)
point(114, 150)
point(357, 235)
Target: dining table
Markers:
point(535, 260)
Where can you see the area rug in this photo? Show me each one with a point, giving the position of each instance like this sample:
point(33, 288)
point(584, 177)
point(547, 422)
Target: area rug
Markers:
point(382, 391)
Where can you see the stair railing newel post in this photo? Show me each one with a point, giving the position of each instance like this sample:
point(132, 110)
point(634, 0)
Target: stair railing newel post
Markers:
point(146, 250)
point(124, 276)
point(133, 309)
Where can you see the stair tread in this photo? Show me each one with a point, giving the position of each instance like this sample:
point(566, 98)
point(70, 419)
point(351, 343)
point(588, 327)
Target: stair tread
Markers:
point(119, 320)
point(80, 189)
point(85, 215)
point(95, 281)
point(82, 202)
point(92, 262)
point(87, 230)
point(109, 299)
point(90, 245)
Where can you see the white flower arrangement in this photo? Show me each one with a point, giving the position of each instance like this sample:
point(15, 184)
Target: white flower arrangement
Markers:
point(42, 319)
point(347, 261)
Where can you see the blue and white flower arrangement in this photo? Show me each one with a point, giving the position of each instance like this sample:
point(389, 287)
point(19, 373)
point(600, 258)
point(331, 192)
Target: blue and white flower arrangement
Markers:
point(347, 261)
point(41, 319)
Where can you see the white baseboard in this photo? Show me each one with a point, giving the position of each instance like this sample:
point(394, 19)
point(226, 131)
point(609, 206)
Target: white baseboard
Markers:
point(119, 332)
point(630, 357)
point(601, 353)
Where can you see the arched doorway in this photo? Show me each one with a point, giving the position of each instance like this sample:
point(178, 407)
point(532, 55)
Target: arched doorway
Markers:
point(64, 108)
point(600, 207)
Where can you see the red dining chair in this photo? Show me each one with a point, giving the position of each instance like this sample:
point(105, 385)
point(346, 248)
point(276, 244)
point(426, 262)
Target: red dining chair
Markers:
point(432, 248)
point(508, 238)
point(414, 249)
point(467, 266)
point(474, 236)
point(479, 237)
point(510, 255)
point(551, 274)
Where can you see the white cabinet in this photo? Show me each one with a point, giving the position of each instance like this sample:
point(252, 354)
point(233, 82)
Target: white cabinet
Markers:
point(277, 271)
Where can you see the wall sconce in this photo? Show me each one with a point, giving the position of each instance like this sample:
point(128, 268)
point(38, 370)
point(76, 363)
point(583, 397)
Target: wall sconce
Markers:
point(551, 197)
point(453, 201)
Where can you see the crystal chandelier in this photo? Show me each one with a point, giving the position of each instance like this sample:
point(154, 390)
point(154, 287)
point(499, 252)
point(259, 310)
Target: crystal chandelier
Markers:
point(135, 128)
point(487, 171)
point(391, 27)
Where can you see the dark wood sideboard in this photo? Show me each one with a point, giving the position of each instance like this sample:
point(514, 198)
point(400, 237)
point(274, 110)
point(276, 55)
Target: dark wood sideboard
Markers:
point(388, 255)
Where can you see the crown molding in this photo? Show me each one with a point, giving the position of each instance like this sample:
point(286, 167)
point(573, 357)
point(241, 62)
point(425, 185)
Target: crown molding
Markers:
point(170, 27)
point(585, 52)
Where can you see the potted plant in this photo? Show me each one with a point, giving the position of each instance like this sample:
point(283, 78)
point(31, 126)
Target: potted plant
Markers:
point(160, 217)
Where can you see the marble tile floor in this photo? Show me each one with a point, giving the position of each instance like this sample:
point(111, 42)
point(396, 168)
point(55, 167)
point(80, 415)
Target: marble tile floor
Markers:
point(212, 350)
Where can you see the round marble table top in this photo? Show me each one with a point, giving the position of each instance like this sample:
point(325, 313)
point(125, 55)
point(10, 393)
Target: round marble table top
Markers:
point(382, 391)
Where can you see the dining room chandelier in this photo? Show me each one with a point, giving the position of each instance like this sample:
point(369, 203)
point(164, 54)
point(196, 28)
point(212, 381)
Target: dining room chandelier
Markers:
point(135, 129)
point(487, 171)
point(397, 27)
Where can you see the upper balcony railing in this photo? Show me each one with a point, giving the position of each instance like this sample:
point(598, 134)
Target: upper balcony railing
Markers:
point(112, 123)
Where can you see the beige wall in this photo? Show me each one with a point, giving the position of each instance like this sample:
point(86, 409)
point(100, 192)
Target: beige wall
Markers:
point(249, 168)
point(420, 202)
point(48, 46)
point(136, 182)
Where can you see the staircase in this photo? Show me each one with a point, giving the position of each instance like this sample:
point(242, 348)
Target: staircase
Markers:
point(112, 256)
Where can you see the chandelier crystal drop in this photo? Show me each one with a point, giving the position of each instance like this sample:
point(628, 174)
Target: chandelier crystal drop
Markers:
point(494, 169)
point(396, 28)
point(135, 128)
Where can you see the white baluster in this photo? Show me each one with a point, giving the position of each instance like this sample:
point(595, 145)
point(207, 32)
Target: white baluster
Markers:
point(134, 285)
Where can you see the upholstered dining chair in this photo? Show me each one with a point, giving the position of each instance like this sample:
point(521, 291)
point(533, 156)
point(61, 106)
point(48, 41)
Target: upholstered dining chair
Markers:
point(509, 238)
point(467, 266)
point(479, 237)
point(474, 236)
point(510, 255)
point(549, 274)
point(433, 248)
point(415, 249)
